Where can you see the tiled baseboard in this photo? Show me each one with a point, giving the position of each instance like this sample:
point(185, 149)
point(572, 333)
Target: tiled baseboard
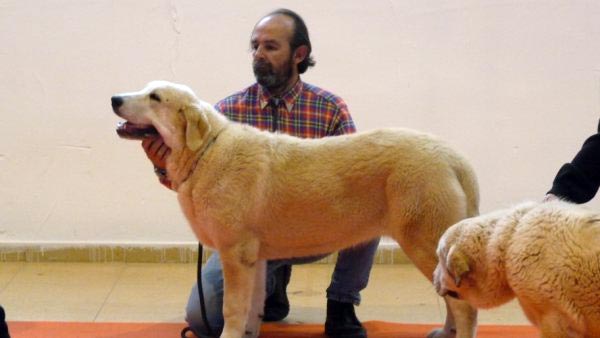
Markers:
point(386, 254)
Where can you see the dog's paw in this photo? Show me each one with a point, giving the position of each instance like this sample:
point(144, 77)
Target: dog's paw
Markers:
point(441, 333)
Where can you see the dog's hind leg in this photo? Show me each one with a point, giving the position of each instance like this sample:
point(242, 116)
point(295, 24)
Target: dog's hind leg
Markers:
point(239, 274)
point(258, 301)
point(449, 329)
point(461, 320)
point(557, 325)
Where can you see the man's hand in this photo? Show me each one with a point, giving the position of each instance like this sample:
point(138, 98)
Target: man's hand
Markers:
point(157, 152)
point(550, 197)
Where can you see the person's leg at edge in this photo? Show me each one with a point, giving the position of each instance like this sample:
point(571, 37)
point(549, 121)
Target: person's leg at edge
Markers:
point(350, 276)
point(3, 327)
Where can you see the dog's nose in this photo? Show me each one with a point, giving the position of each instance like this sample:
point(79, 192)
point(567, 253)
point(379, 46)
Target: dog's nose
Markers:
point(116, 101)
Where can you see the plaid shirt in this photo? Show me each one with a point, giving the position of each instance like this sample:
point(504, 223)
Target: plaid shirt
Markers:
point(303, 111)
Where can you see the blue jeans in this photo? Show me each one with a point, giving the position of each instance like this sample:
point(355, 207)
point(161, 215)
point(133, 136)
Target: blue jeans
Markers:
point(350, 276)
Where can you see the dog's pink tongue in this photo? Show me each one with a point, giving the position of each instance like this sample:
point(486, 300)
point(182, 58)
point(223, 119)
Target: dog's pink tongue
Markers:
point(132, 131)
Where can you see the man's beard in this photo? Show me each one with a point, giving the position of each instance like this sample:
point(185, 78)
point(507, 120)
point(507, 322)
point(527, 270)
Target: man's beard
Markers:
point(270, 78)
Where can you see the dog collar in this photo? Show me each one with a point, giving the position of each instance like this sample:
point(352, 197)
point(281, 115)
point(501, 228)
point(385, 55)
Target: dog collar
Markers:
point(208, 145)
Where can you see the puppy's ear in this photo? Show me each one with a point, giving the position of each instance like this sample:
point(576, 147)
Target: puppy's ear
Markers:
point(457, 264)
point(197, 127)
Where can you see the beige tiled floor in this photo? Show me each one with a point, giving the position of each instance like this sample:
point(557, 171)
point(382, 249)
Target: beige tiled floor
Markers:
point(125, 292)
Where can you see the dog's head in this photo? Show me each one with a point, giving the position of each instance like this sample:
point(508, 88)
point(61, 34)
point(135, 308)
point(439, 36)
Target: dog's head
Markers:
point(169, 109)
point(470, 258)
point(454, 265)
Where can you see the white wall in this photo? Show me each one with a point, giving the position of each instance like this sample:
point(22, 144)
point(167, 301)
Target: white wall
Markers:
point(514, 85)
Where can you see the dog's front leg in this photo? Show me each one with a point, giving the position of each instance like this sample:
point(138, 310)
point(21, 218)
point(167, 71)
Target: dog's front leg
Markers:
point(258, 301)
point(239, 273)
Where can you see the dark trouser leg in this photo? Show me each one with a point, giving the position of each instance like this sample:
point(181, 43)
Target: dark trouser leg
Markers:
point(3, 327)
point(350, 276)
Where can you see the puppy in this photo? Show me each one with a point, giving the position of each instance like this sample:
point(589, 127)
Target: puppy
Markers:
point(254, 195)
point(547, 255)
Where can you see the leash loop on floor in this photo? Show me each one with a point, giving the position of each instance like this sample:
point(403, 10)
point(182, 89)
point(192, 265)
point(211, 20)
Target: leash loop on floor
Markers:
point(201, 297)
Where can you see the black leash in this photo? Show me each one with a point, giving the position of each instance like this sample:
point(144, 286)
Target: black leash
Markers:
point(201, 296)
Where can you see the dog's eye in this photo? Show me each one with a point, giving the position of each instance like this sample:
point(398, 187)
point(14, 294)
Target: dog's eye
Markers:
point(155, 97)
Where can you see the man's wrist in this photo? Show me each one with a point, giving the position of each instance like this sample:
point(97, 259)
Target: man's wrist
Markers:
point(161, 173)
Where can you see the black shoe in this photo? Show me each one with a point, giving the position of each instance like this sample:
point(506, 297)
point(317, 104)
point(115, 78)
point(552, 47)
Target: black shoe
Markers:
point(3, 326)
point(277, 305)
point(341, 321)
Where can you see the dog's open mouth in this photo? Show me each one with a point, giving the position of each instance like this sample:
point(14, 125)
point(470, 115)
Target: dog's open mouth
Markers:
point(132, 131)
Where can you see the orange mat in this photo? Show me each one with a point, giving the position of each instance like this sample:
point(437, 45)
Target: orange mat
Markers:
point(375, 329)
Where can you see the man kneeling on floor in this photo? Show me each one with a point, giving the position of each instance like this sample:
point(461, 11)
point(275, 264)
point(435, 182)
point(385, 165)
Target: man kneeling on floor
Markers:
point(281, 102)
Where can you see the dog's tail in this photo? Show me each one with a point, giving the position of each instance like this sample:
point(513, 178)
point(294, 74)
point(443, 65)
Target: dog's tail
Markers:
point(468, 180)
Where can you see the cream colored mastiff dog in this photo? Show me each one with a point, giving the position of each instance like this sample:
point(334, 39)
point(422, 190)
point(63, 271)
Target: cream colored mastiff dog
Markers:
point(545, 254)
point(254, 195)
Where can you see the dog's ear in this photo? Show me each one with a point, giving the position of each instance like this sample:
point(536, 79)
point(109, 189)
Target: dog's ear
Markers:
point(197, 127)
point(457, 264)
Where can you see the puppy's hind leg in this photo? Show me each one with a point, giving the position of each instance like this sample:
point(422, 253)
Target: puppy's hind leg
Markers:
point(461, 320)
